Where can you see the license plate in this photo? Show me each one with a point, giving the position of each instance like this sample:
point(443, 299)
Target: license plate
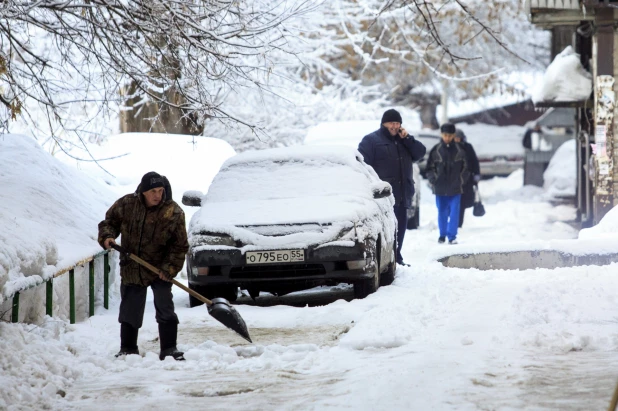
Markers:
point(275, 256)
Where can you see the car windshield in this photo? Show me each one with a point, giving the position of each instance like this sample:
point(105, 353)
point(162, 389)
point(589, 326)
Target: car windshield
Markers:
point(269, 180)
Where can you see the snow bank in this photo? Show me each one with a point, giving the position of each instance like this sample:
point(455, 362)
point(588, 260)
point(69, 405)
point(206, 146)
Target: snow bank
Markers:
point(560, 178)
point(189, 162)
point(35, 352)
point(565, 79)
point(49, 215)
point(607, 229)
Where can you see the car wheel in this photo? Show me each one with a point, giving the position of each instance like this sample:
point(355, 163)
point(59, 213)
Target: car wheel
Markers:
point(414, 222)
point(387, 277)
point(194, 302)
point(364, 287)
point(229, 292)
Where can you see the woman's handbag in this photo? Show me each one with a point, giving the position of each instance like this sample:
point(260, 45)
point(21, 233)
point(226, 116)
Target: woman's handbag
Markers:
point(478, 209)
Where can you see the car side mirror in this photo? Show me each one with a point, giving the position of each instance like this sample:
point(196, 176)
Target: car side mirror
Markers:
point(382, 190)
point(192, 198)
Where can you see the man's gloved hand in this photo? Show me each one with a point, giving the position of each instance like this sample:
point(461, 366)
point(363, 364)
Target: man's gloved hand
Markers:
point(165, 277)
point(165, 274)
point(477, 178)
point(107, 244)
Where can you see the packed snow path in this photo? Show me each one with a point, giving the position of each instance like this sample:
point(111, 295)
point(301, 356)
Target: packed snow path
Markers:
point(438, 338)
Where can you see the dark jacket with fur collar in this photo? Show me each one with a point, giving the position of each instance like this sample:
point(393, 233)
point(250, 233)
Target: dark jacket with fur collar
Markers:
point(157, 234)
point(447, 169)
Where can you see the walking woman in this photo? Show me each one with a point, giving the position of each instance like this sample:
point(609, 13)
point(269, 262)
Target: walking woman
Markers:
point(467, 197)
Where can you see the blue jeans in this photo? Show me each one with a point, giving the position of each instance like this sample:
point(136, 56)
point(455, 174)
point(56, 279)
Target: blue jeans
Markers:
point(448, 215)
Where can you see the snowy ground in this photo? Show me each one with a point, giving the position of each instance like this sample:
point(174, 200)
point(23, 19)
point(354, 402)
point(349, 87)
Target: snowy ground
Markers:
point(438, 338)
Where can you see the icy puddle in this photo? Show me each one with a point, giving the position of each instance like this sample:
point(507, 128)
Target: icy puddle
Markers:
point(222, 372)
point(322, 336)
point(573, 381)
point(207, 389)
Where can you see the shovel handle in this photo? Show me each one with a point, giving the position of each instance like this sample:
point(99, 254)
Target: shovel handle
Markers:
point(192, 292)
point(157, 271)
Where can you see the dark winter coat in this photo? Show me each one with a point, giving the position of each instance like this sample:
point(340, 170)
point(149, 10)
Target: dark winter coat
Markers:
point(392, 157)
point(156, 234)
point(527, 140)
point(467, 197)
point(447, 169)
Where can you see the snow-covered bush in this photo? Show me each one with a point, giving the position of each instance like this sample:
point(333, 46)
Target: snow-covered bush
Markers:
point(560, 178)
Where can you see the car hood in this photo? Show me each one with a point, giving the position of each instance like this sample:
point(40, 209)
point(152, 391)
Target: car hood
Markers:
point(291, 221)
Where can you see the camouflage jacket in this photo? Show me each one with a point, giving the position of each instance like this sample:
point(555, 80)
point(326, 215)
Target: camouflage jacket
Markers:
point(158, 235)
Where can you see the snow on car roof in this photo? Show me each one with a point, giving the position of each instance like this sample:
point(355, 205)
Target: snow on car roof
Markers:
point(333, 154)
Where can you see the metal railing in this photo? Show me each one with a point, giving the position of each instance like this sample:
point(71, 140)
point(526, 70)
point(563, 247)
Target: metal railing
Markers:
point(49, 288)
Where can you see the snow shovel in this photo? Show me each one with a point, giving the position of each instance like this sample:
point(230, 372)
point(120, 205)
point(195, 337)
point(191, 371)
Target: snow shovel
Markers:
point(219, 308)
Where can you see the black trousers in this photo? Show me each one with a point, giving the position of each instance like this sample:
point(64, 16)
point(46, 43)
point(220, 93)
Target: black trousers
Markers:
point(402, 225)
point(133, 303)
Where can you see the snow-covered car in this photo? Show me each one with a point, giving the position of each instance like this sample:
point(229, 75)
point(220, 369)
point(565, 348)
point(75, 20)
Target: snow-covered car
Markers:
point(289, 219)
point(350, 133)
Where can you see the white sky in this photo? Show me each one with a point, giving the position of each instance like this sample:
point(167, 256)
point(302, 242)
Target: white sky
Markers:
point(438, 338)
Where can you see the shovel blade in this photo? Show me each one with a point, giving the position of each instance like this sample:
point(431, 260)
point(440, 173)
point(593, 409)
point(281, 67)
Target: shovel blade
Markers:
point(222, 311)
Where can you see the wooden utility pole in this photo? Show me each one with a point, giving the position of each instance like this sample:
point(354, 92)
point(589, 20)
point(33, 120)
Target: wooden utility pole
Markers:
point(604, 106)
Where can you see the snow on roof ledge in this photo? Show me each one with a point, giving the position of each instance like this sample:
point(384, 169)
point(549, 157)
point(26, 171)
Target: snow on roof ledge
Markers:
point(552, 4)
point(565, 80)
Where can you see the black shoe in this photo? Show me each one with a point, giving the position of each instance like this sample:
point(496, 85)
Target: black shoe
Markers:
point(402, 263)
point(441, 240)
point(127, 351)
point(172, 352)
point(453, 241)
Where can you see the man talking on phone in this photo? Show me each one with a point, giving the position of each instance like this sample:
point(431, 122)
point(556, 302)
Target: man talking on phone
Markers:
point(391, 151)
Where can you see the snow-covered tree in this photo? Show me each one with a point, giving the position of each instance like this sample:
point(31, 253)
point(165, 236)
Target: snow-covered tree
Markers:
point(357, 56)
point(417, 49)
point(65, 64)
point(255, 72)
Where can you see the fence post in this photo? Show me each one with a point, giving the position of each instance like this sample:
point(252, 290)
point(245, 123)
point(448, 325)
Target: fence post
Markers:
point(91, 287)
point(15, 314)
point(49, 294)
point(106, 281)
point(72, 295)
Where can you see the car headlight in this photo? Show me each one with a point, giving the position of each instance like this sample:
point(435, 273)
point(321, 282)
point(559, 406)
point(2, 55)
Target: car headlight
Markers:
point(213, 239)
point(358, 264)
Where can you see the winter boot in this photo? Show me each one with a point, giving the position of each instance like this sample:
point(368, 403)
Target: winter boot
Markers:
point(128, 340)
point(167, 338)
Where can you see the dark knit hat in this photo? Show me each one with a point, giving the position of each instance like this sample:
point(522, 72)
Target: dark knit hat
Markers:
point(447, 128)
point(391, 115)
point(460, 134)
point(151, 180)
